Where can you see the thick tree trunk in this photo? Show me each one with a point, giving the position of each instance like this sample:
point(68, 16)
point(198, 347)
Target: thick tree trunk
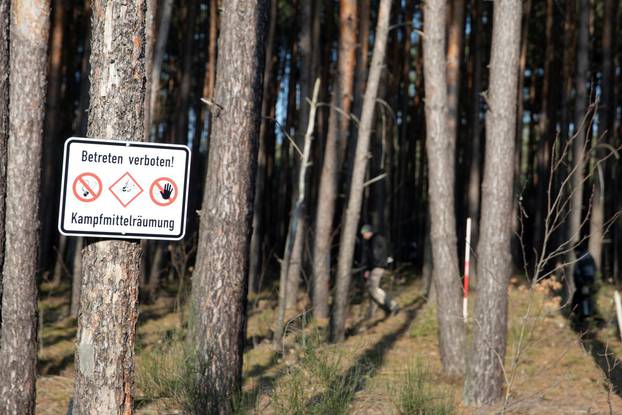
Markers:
point(439, 145)
point(29, 25)
point(221, 274)
point(484, 382)
point(260, 181)
point(338, 124)
point(111, 269)
point(4, 126)
point(580, 122)
point(355, 199)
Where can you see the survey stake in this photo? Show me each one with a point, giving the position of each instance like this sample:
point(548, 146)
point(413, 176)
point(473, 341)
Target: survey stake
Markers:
point(124, 189)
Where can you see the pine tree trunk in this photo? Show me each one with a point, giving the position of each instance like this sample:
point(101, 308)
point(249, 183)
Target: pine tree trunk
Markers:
point(111, 269)
point(439, 145)
point(606, 122)
point(338, 124)
point(580, 121)
point(484, 382)
point(151, 29)
point(355, 199)
point(260, 182)
point(305, 54)
point(29, 25)
point(77, 278)
point(221, 274)
point(4, 128)
point(454, 57)
point(158, 57)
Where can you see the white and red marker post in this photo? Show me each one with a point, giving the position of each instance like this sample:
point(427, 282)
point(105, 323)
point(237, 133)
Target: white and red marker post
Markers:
point(467, 251)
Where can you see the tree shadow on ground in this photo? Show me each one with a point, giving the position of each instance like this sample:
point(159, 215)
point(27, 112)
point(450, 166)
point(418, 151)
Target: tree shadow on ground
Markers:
point(602, 355)
point(587, 331)
point(369, 362)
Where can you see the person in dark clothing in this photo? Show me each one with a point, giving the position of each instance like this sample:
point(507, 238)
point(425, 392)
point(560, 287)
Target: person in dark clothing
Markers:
point(375, 260)
point(584, 277)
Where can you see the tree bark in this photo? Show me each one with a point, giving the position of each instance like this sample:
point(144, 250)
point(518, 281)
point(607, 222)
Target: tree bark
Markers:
point(4, 127)
point(439, 145)
point(338, 124)
point(221, 275)
point(355, 199)
point(111, 269)
point(29, 26)
point(484, 381)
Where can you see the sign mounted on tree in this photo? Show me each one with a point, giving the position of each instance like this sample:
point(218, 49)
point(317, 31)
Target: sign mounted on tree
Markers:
point(124, 189)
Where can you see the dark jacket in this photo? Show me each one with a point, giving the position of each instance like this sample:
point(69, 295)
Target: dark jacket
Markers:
point(375, 252)
point(585, 270)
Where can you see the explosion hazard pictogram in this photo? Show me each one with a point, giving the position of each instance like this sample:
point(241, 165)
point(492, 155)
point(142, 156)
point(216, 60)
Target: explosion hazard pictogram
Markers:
point(163, 191)
point(126, 189)
point(87, 187)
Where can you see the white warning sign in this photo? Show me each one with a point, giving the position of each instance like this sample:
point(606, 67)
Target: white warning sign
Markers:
point(124, 189)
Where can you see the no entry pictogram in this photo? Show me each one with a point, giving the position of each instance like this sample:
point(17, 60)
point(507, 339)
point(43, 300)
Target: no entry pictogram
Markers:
point(163, 191)
point(87, 187)
point(126, 189)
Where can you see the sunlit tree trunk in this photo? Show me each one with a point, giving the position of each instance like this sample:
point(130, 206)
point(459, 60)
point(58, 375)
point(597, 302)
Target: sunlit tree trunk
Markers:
point(220, 279)
point(338, 124)
point(107, 323)
point(355, 199)
point(4, 126)
point(29, 25)
point(484, 382)
point(439, 151)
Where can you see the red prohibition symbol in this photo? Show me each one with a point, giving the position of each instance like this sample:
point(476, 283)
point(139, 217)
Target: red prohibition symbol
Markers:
point(88, 192)
point(163, 191)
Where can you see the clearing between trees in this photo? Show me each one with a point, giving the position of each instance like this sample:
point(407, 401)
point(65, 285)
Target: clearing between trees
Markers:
point(387, 365)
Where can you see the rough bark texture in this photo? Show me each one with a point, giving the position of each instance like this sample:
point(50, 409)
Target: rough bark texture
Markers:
point(29, 25)
point(484, 382)
point(4, 123)
point(111, 269)
point(220, 279)
point(446, 275)
point(353, 209)
point(338, 123)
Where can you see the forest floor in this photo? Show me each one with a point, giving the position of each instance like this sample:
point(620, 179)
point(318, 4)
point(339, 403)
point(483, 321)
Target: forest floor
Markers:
point(387, 365)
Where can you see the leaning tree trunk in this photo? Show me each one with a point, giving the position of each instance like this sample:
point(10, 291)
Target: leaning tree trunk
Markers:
point(220, 280)
point(353, 210)
point(439, 145)
point(110, 268)
point(29, 24)
point(484, 381)
point(338, 123)
point(4, 124)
